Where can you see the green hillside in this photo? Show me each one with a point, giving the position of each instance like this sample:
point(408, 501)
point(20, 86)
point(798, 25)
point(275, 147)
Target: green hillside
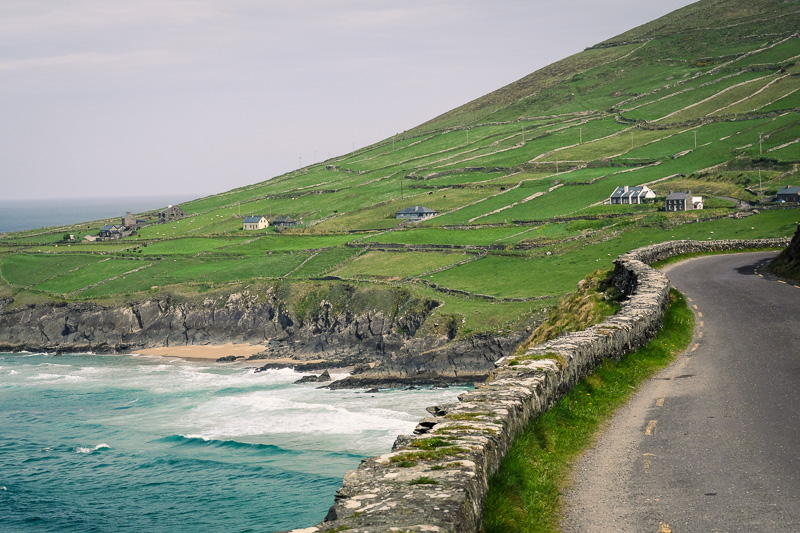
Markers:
point(705, 99)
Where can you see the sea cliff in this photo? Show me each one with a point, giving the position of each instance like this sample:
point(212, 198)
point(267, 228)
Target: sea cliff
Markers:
point(340, 331)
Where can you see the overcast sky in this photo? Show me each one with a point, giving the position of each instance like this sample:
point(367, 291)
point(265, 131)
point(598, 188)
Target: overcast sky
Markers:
point(154, 97)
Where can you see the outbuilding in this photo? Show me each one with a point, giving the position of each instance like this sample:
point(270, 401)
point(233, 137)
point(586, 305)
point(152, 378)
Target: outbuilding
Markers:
point(170, 214)
point(788, 194)
point(285, 222)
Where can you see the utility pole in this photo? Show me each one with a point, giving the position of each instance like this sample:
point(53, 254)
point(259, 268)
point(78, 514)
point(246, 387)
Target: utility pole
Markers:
point(695, 139)
point(760, 153)
point(580, 130)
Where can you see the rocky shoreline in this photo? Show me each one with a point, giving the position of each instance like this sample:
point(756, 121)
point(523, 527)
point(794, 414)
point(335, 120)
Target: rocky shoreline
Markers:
point(385, 350)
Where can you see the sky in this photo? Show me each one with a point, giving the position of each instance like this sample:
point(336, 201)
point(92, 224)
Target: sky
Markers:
point(110, 98)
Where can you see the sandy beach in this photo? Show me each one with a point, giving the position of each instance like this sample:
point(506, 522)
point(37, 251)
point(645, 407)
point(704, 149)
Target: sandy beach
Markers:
point(213, 352)
point(205, 352)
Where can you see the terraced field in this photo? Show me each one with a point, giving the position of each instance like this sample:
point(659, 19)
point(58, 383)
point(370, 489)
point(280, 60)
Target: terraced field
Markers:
point(519, 178)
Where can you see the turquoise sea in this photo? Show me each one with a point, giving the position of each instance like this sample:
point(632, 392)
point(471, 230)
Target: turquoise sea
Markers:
point(134, 443)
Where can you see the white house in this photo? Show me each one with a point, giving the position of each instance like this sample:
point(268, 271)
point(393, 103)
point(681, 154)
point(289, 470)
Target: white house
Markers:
point(417, 212)
point(632, 195)
point(253, 223)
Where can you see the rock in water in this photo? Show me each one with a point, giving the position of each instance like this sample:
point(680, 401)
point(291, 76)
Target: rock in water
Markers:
point(307, 379)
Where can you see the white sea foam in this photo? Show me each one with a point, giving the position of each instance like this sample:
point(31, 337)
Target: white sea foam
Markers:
point(313, 418)
point(201, 437)
point(45, 376)
point(81, 449)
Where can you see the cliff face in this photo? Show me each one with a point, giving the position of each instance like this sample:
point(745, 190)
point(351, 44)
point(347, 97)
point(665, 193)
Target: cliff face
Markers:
point(330, 330)
point(244, 318)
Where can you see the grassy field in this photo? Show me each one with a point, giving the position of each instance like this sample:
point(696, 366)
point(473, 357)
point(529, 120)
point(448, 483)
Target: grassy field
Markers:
point(520, 176)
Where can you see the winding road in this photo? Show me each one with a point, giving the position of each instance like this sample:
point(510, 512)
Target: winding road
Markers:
point(712, 443)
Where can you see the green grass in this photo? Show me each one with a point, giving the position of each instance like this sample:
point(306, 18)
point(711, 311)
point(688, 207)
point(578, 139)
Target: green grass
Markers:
point(524, 495)
point(29, 269)
point(516, 141)
point(88, 275)
point(396, 265)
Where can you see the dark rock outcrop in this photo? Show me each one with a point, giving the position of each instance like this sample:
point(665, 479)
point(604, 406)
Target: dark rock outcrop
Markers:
point(322, 378)
point(229, 358)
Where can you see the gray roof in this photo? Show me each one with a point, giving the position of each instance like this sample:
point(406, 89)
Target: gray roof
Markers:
point(789, 190)
point(680, 196)
point(253, 220)
point(417, 209)
point(631, 192)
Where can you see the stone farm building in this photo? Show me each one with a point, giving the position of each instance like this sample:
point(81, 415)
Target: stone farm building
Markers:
point(115, 231)
point(285, 222)
point(683, 201)
point(257, 222)
point(129, 220)
point(788, 194)
point(417, 212)
point(632, 195)
point(171, 214)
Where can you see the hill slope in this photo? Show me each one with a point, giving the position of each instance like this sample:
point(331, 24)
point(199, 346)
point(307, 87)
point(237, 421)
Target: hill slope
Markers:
point(704, 99)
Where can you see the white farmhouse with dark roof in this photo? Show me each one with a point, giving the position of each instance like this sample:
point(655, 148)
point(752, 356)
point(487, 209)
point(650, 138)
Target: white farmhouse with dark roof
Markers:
point(632, 195)
point(254, 223)
point(417, 212)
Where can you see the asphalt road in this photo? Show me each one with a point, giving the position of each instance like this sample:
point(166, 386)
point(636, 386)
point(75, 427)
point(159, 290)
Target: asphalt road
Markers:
point(712, 444)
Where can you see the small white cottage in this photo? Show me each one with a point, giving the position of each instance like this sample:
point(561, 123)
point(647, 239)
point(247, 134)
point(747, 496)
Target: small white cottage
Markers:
point(254, 223)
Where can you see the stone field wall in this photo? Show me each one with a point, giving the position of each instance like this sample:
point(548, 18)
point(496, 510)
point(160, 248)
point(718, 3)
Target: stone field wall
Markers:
point(436, 479)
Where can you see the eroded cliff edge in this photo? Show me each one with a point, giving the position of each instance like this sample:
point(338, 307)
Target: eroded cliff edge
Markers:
point(342, 324)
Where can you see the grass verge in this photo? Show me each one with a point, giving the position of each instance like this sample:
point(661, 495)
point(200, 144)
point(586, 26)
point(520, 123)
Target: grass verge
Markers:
point(524, 495)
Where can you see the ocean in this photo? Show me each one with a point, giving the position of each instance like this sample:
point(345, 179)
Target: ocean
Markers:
point(19, 215)
point(139, 443)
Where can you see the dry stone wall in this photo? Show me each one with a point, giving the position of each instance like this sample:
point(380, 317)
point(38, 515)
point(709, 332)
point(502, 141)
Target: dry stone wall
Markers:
point(436, 479)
